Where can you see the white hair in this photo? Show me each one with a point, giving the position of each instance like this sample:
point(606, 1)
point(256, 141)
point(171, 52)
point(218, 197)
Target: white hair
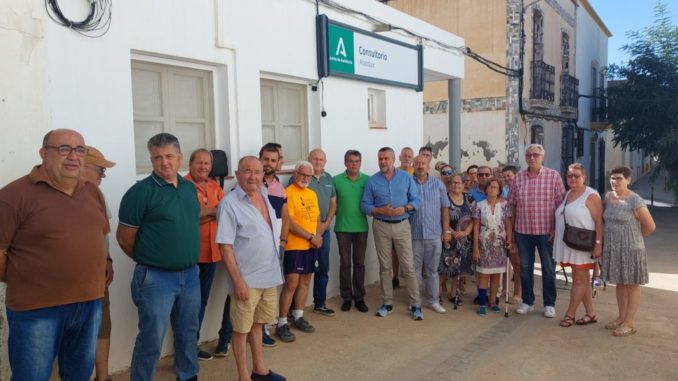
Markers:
point(537, 146)
point(303, 164)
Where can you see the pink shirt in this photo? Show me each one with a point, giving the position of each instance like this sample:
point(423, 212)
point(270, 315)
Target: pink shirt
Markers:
point(535, 199)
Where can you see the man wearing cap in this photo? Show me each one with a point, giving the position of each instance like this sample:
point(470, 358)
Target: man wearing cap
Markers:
point(94, 172)
point(53, 227)
point(160, 230)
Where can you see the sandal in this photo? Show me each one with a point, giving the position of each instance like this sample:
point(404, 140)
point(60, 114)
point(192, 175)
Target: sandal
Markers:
point(587, 319)
point(458, 300)
point(515, 300)
point(623, 330)
point(612, 325)
point(567, 321)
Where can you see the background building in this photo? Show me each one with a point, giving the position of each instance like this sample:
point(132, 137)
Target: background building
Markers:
point(222, 74)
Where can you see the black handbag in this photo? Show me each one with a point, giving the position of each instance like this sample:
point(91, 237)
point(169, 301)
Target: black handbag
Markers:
point(578, 238)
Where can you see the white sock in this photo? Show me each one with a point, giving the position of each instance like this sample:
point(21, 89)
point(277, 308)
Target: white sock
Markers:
point(282, 321)
point(297, 314)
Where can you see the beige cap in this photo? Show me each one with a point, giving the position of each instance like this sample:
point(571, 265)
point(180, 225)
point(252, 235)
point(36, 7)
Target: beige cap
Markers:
point(95, 157)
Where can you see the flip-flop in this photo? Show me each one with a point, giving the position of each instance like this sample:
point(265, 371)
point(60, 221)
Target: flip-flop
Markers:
point(587, 319)
point(612, 325)
point(623, 330)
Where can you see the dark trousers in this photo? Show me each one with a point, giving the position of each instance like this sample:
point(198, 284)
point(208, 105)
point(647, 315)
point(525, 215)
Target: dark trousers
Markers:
point(352, 248)
point(206, 276)
point(226, 330)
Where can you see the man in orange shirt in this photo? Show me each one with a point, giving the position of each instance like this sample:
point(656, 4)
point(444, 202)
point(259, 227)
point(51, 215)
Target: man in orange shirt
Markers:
point(209, 195)
point(301, 246)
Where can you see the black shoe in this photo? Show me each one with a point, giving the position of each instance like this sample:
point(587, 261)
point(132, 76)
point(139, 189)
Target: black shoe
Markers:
point(361, 306)
point(396, 283)
point(221, 350)
point(267, 340)
point(324, 311)
point(204, 356)
point(303, 325)
point(267, 377)
point(284, 334)
point(346, 305)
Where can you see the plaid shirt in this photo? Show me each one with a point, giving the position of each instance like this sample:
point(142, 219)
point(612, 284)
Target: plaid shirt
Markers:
point(535, 200)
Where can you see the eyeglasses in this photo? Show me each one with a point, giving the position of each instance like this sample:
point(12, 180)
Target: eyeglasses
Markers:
point(65, 150)
point(535, 155)
point(99, 170)
point(573, 176)
point(447, 173)
point(484, 174)
point(473, 173)
point(617, 178)
point(304, 176)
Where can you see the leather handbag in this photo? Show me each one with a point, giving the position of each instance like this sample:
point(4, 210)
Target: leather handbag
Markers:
point(578, 238)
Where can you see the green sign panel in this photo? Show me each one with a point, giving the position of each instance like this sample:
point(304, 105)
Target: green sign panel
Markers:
point(349, 52)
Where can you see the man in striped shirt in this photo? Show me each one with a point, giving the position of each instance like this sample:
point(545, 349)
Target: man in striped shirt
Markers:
point(430, 224)
point(535, 194)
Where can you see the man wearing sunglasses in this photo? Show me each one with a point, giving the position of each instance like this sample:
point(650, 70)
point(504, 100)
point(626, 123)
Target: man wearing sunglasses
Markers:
point(95, 171)
point(53, 226)
point(484, 175)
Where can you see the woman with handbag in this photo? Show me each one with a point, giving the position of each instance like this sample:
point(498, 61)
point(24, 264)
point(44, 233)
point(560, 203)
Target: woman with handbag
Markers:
point(456, 262)
point(578, 241)
point(627, 221)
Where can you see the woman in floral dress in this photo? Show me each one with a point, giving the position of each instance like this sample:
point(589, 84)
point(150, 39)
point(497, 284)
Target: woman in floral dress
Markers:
point(492, 236)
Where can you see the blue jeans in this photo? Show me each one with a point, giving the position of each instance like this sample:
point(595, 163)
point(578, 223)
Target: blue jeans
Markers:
point(226, 330)
point(527, 243)
point(162, 296)
point(37, 336)
point(320, 277)
point(426, 254)
point(206, 276)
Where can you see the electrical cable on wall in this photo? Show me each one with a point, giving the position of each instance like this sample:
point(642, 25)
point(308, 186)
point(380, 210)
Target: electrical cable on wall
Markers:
point(96, 24)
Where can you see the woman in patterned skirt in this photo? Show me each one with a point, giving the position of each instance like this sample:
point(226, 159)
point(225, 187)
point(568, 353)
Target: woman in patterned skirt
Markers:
point(492, 236)
point(627, 221)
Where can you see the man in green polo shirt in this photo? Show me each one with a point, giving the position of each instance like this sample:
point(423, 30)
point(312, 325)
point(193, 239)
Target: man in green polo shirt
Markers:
point(160, 230)
point(351, 229)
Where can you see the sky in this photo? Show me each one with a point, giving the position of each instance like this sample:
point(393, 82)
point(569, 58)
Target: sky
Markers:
point(621, 16)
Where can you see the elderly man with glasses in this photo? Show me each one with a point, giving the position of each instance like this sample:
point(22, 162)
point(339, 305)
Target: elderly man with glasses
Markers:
point(53, 227)
point(301, 243)
point(535, 194)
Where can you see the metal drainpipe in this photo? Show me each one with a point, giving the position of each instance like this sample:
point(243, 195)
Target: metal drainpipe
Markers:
point(454, 120)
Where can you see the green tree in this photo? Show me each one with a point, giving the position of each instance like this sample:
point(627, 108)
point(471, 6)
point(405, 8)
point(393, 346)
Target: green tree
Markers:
point(643, 108)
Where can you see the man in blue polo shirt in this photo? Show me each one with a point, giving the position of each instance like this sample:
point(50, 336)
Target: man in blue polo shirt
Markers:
point(390, 196)
point(160, 230)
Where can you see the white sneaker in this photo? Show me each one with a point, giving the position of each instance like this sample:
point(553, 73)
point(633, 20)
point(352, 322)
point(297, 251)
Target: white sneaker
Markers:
point(437, 308)
point(525, 308)
point(549, 311)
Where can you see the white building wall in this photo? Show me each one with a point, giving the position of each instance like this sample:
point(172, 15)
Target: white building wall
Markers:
point(591, 46)
point(483, 138)
point(56, 78)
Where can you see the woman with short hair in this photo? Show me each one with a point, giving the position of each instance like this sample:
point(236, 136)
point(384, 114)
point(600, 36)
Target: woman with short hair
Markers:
point(627, 221)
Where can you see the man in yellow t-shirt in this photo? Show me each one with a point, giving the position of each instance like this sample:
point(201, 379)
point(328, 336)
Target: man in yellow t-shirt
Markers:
point(301, 246)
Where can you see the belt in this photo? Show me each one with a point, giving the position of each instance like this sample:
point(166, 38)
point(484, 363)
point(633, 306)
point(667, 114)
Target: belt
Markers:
point(391, 221)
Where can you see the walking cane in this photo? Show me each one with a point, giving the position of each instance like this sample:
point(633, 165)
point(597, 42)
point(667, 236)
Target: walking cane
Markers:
point(506, 303)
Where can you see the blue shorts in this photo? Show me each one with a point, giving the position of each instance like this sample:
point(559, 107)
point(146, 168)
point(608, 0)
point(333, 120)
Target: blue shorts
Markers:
point(300, 261)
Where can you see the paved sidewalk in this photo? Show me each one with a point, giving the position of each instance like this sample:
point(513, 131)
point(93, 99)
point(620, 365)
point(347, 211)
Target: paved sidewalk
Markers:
point(462, 346)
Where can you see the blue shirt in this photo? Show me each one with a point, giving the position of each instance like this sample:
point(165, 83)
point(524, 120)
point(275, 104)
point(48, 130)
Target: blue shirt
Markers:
point(255, 244)
point(426, 222)
point(399, 191)
point(479, 195)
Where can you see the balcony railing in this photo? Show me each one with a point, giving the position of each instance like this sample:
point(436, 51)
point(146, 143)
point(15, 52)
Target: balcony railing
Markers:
point(599, 106)
point(569, 91)
point(543, 78)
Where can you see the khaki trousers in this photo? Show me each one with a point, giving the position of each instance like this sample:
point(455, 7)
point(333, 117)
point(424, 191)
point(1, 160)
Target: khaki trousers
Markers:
point(386, 237)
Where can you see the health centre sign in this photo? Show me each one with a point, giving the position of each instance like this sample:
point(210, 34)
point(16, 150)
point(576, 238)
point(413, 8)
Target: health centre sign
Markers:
point(349, 52)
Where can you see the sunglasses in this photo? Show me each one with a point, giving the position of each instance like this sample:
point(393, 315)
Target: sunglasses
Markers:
point(447, 173)
point(484, 174)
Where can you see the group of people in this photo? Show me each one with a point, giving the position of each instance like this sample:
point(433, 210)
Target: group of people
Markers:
point(429, 225)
